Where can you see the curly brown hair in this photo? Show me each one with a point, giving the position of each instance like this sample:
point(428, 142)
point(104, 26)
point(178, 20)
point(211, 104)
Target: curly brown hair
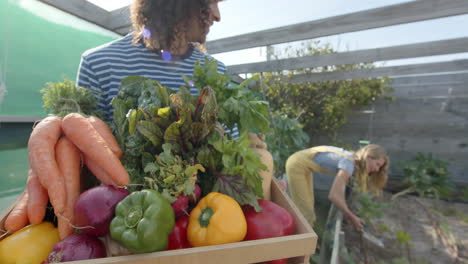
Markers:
point(167, 20)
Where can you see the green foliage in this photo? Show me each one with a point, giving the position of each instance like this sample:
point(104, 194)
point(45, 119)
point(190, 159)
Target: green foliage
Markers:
point(171, 175)
point(464, 194)
point(369, 207)
point(168, 136)
point(237, 104)
point(285, 137)
point(400, 260)
point(235, 167)
point(402, 237)
point(427, 176)
point(321, 106)
point(62, 98)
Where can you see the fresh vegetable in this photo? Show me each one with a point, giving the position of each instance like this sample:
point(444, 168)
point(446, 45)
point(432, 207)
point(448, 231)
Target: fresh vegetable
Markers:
point(178, 237)
point(237, 105)
point(195, 196)
point(148, 116)
point(30, 245)
point(18, 217)
point(143, 222)
point(260, 147)
point(173, 177)
point(41, 147)
point(217, 219)
point(97, 171)
point(114, 248)
point(104, 130)
point(65, 97)
point(37, 200)
point(68, 159)
point(180, 206)
point(94, 209)
point(82, 133)
point(272, 221)
point(234, 167)
point(77, 247)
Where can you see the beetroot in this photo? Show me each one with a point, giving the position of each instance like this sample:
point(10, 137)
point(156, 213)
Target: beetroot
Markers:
point(180, 206)
point(195, 196)
point(95, 207)
point(77, 247)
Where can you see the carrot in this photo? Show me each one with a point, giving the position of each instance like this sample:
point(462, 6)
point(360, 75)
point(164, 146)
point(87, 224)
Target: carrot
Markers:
point(41, 148)
point(103, 129)
point(98, 171)
point(18, 217)
point(38, 198)
point(81, 132)
point(68, 158)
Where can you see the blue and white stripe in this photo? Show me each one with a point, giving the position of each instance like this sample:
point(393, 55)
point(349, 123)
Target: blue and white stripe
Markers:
point(102, 69)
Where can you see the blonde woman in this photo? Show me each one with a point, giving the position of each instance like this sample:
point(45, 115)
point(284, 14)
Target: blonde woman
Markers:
point(367, 167)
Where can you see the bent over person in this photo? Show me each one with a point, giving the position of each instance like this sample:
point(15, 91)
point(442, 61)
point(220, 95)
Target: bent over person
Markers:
point(368, 167)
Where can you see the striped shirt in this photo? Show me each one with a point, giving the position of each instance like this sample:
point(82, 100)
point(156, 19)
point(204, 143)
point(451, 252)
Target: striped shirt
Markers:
point(102, 69)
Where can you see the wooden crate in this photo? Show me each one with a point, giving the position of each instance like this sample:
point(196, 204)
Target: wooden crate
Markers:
point(297, 247)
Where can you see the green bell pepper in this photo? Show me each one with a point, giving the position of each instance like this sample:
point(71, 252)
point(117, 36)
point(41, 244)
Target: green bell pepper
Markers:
point(143, 222)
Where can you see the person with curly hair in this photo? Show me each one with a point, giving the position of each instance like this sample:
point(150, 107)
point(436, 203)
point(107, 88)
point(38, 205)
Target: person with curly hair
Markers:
point(368, 165)
point(162, 47)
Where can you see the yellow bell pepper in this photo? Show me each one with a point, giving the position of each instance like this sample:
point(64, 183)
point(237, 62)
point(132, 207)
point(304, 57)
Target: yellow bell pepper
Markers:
point(217, 219)
point(30, 245)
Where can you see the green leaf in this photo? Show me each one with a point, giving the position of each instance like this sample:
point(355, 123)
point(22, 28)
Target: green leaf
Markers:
point(235, 186)
point(150, 131)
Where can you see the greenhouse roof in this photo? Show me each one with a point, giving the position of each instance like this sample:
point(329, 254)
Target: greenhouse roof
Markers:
point(115, 20)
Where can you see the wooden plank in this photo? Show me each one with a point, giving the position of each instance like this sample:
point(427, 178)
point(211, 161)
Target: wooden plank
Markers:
point(120, 19)
point(374, 18)
point(124, 31)
point(432, 48)
point(237, 79)
point(19, 119)
point(336, 239)
point(435, 67)
point(82, 9)
point(442, 79)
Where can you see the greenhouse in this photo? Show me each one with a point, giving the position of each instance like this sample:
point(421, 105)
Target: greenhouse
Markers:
point(351, 154)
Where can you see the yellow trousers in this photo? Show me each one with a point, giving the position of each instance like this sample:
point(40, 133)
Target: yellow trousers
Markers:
point(299, 172)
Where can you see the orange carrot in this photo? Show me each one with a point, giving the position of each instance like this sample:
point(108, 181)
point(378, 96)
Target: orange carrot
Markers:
point(98, 171)
point(38, 199)
point(79, 130)
point(69, 161)
point(18, 217)
point(103, 129)
point(41, 148)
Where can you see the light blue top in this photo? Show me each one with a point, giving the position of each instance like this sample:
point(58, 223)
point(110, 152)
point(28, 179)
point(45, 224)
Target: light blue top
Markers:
point(334, 162)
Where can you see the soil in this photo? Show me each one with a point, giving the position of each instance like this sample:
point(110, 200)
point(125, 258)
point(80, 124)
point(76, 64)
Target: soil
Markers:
point(438, 233)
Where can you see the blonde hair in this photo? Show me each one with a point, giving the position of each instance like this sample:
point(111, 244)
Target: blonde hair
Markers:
point(371, 182)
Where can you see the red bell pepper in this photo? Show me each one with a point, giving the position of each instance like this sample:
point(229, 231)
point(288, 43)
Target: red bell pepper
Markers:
point(272, 221)
point(178, 237)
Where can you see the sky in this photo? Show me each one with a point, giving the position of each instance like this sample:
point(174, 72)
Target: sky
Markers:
point(246, 16)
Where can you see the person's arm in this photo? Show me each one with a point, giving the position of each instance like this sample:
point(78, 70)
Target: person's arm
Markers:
point(337, 197)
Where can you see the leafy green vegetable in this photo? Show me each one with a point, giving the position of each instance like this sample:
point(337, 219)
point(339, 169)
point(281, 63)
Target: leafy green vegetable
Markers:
point(168, 137)
point(237, 104)
point(171, 175)
point(236, 167)
point(62, 98)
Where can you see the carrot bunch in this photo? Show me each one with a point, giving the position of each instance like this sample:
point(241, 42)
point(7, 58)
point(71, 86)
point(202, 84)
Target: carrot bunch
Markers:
point(57, 149)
